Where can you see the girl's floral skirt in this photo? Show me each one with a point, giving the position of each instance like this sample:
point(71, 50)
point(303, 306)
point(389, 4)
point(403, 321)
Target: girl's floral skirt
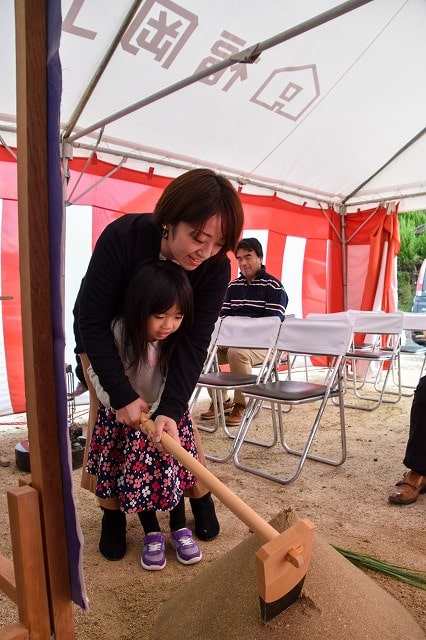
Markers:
point(129, 467)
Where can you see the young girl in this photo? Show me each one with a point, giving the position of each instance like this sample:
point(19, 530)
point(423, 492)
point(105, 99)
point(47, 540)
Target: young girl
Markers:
point(157, 313)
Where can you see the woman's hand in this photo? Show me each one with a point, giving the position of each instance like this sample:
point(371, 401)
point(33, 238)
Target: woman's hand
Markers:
point(162, 423)
point(131, 413)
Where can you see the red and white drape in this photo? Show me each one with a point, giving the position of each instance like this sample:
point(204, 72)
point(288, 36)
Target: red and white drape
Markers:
point(301, 247)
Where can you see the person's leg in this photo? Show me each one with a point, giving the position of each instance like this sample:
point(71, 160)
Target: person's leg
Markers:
point(154, 551)
point(206, 523)
point(112, 542)
point(149, 521)
point(187, 551)
point(177, 516)
point(414, 481)
point(415, 454)
point(242, 361)
point(88, 481)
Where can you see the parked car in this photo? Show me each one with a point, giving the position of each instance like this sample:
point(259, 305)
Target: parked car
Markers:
point(419, 303)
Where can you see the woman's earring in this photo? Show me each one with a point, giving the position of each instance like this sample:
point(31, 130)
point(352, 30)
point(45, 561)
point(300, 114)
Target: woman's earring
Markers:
point(165, 233)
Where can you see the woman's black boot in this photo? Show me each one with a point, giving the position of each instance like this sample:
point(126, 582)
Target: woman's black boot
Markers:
point(205, 520)
point(112, 543)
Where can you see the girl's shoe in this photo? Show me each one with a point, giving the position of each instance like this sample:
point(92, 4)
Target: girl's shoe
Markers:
point(187, 551)
point(112, 543)
point(153, 552)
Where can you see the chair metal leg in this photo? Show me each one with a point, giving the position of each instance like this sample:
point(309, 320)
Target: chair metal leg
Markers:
point(410, 386)
point(252, 409)
point(219, 413)
point(381, 391)
point(277, 415)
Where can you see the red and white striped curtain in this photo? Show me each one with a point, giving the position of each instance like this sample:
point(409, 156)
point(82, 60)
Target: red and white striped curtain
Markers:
point(300, 246)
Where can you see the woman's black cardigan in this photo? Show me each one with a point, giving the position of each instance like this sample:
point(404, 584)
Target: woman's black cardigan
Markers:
point(121, 249)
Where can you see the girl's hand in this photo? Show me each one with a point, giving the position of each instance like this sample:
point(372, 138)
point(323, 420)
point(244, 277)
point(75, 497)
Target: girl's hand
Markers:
point(131, 413)
point(162, 423)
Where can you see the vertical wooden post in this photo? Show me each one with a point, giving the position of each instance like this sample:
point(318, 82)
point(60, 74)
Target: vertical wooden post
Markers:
point(39, 367)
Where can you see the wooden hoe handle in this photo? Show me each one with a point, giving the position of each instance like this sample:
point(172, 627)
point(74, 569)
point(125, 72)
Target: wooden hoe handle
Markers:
point(245, 513)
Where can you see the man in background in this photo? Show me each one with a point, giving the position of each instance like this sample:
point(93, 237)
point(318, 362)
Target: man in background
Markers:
point(256, 294)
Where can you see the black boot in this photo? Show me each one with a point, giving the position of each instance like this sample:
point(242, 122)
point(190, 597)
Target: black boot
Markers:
point(112, 543)
point(205, 520)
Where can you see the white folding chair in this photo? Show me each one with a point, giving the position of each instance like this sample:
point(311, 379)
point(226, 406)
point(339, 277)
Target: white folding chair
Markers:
point(328, 318)
point(309, 338)
point(208, 363)
point(244, 333)
point(380, 346)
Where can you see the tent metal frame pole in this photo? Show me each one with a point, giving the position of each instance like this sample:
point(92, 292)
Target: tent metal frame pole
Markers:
point(185, 166)
point(242, 180)
point(248, 56)
point(8, 149)
point(358, 229)
point(396, 196)
point(342, 211)
point(414, 139)
point(101, 68)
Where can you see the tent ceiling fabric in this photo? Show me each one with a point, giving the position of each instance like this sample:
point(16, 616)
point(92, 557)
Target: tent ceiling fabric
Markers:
point(314, 117)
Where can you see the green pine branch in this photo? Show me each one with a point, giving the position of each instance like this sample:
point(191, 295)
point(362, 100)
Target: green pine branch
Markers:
point(412, 577)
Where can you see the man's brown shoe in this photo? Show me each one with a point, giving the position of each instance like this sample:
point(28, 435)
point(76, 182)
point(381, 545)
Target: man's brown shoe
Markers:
point(408, 489)
point(236, 415)
point(209, 414)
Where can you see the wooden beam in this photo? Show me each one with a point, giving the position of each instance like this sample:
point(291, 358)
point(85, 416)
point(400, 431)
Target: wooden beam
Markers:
point(7, 579)
point(15, 631)
point(33, 179)
point(28, 560)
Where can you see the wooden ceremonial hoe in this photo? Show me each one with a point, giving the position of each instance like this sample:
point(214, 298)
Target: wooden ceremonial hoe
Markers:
point(282, 562)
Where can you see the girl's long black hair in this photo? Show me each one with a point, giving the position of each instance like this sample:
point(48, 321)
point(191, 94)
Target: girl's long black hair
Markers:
point(154, 289)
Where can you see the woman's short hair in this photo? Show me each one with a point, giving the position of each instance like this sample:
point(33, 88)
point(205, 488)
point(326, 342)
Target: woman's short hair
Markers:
point(196, 196)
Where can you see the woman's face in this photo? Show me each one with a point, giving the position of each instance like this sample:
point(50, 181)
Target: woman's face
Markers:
point(190, 247)
point(161, 325)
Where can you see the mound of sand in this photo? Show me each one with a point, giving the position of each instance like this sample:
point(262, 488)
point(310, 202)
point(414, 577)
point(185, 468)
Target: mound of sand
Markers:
point(338, 601)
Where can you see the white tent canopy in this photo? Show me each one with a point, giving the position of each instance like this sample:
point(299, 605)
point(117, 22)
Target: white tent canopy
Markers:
point(335, 114)
point(316, 117)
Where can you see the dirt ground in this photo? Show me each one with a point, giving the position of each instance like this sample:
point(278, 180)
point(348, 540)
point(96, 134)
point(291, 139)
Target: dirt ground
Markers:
point(348, 505)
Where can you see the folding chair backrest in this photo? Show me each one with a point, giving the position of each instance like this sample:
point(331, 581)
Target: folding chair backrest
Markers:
point(215, 332)
point(315, 337)
point(331, 317)
point(249, 333)
point(414, 321)
point(377, 322)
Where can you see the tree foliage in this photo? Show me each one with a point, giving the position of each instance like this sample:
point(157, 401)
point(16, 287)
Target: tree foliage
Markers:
point(411, 255)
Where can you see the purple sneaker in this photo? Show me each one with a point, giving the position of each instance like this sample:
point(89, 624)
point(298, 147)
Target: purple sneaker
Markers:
point(187, 551)
point(153, 552)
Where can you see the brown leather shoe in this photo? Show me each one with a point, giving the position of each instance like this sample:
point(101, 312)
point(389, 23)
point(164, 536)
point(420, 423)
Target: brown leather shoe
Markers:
point(209, 414)
point(236, 415)
point(408, 489)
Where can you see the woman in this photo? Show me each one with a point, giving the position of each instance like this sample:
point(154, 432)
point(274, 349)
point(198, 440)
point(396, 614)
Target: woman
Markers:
point(197, 220)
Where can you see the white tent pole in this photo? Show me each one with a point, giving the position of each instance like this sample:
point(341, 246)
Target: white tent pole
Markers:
point(342, 211)
point(388, 162)
point(248, 55)
point(6, 146)
point(358, 229)
point(401, 195)
point(101, 68)
point(329, 200)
